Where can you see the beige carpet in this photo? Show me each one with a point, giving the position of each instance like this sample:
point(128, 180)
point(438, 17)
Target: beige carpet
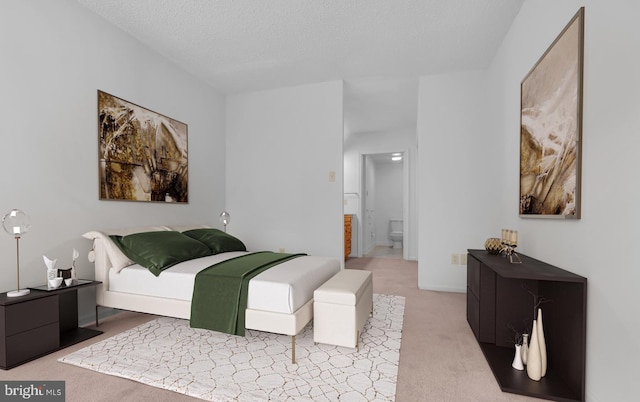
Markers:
point(167, 353)
point(439, 357)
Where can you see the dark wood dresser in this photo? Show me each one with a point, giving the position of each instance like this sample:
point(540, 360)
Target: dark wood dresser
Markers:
point(499, 298)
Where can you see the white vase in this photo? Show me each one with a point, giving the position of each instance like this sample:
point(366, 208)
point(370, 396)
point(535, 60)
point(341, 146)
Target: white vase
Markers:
point(542, 344)
point(534, 368)
point(517, 359)
point(524, 350)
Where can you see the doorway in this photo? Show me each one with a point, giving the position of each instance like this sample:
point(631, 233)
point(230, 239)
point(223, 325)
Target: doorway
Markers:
point(384, 205)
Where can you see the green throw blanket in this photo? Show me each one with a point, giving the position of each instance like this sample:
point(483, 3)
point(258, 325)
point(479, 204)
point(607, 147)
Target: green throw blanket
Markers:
point(220, 291)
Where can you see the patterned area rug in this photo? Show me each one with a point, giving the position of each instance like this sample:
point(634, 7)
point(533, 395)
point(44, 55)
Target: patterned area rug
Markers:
point(167, 353)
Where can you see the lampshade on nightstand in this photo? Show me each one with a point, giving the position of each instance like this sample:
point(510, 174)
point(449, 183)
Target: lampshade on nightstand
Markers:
point(16, 223)
point(225, 218)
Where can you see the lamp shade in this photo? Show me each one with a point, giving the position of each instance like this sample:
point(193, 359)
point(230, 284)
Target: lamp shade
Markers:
point(225, 218)
point(16, 223)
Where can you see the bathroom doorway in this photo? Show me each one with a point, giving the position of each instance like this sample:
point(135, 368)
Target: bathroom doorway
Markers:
point(384, 205)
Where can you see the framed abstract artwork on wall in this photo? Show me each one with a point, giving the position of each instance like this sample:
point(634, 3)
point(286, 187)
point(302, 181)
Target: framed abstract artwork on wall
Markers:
point(142, 154)
point(551, 128)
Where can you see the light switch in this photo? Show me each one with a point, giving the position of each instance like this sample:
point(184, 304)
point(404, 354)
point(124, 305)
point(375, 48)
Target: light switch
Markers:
point(332, 176)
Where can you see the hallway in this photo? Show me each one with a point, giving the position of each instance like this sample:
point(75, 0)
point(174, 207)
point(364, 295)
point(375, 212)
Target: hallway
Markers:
point(385, 252)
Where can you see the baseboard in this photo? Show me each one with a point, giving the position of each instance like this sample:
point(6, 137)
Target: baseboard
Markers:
point(443, 289)
point(90, 319)
point(384, 244)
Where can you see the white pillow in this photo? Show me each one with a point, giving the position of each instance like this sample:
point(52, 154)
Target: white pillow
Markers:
point(117, 258)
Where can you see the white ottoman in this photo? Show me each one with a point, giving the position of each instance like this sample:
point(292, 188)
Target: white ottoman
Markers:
point(341, 307)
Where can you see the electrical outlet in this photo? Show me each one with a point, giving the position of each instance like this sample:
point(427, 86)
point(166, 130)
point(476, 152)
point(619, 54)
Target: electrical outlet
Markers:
point(454, 259)
point(463, 259)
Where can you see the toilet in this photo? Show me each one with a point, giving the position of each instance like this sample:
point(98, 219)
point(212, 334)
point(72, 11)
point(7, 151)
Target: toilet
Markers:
point(396, 228)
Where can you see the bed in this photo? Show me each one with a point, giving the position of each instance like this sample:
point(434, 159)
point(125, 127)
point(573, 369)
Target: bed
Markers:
point(279, 299)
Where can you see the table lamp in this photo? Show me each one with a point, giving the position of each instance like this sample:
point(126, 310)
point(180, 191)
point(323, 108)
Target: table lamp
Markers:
point(225, 218)
point(16, 223)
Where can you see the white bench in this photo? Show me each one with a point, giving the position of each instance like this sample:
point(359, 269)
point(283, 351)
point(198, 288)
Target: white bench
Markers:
point(341, 307)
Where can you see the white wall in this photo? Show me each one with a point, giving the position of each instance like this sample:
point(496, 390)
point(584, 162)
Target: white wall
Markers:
point(600, 245)
point(281, 146)
point(55, 56)
point(460, 210)
point(358, 144)
point(460, 179)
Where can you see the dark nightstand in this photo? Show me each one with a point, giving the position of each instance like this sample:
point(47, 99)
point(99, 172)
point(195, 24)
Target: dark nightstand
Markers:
point(40, 323)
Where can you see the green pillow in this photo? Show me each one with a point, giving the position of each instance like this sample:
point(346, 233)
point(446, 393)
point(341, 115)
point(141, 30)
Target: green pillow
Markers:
point(158, 251)
point(217, 240)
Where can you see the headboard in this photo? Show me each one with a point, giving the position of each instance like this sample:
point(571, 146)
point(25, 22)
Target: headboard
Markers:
point(106, 255)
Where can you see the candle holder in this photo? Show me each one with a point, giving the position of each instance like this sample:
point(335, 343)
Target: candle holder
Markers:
point(509, 250)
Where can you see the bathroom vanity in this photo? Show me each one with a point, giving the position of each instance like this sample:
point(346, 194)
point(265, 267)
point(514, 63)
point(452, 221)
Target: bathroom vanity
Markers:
point(347, 236)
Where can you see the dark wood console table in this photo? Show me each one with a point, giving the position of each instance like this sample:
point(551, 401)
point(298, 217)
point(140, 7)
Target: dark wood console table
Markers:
point(41, 322)
point(498, 297)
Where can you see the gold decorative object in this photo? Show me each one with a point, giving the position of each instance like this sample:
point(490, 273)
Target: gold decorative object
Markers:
point(493, 245)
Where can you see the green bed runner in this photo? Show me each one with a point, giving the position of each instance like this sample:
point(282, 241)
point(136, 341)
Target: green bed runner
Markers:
point(220, 291)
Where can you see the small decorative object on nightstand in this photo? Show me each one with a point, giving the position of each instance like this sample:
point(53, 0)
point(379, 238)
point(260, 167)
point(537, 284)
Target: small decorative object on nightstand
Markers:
point(68, 275)
point(54, 283)
point(225, 218)
point(52, 272)
point(17, 223)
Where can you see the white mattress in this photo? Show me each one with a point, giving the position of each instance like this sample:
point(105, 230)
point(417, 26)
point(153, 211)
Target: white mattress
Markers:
point(283, 288)
point(173, 283)
point(288, 286)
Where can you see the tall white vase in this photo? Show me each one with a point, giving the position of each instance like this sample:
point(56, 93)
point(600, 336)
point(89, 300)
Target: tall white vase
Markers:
point(524, 350)
point(534, 364)
point(517, 359)
point(542, 344)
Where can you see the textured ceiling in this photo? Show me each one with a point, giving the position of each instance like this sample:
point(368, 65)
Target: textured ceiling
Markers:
point(379, 47)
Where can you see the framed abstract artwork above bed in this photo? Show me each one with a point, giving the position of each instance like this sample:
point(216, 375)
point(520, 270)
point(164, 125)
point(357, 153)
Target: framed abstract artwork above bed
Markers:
point(142, 154)
point(551, 128)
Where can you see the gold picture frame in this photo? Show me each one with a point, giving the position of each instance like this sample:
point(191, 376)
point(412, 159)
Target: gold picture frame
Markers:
point(551, 128)
point(143, 155)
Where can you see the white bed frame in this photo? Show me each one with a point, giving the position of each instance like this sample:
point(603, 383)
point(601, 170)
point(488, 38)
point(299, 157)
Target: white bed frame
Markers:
point(279, 323)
